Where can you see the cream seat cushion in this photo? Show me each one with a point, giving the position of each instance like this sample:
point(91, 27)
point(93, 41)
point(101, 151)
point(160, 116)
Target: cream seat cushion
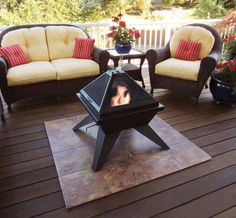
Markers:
point(61, 40)
point(33, 72)
point(72, 68)
point(193, 33)
point(31, 40)
point(181, 69)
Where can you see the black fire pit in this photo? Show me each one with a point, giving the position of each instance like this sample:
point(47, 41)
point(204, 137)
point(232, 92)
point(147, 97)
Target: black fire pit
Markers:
point(116, 102)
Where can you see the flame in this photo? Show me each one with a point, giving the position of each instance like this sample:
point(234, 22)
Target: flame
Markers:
point(122, 96)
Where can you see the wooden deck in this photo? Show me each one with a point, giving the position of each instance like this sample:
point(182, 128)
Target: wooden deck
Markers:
point(29, 185)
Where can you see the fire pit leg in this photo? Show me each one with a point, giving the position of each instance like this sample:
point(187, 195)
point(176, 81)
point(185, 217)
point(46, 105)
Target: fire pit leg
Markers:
point(88, 119)
point(104, 144)
point(152, 135)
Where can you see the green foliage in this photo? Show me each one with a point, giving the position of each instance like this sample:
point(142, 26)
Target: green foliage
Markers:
point(174, 1)
point(229, 47)
point(227, 66)
point(94, 10)
point(144, 6)
point(38, 11)
point(228, 4)
point(15, 12)
point(209, 9)
point(122, 35)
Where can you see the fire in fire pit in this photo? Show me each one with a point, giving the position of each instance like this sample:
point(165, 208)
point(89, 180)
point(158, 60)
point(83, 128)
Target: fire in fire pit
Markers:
point(121, 95)
point(116, 102)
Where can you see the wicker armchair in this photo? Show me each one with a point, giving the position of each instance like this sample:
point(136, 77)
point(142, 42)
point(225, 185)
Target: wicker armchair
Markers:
point(186, 86)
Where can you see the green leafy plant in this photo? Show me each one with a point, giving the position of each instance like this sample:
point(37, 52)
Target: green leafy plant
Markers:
point(229, 47)
point(227, 66)
point(120, 33)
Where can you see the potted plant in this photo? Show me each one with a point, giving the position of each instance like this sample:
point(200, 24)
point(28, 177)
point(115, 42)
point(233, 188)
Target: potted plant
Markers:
point(122, 35)
point(223, 80)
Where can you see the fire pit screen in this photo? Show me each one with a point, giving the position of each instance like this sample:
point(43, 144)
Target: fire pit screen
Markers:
point(116, 102)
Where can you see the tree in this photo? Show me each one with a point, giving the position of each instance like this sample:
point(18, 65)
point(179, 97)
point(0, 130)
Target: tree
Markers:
point(228, 4)
point(209, 9)
point(40, 11)
point(176, 1)
point(144, 6)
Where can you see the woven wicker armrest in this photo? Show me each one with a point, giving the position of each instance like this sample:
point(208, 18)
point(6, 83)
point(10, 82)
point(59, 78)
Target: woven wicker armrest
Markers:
point(3, 72)
point(208, 64)
point(101, 57)
point(156, 56)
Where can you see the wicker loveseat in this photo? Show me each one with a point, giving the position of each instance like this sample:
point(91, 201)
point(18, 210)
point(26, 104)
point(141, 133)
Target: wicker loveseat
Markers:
point(52, 70)
point(187, 77)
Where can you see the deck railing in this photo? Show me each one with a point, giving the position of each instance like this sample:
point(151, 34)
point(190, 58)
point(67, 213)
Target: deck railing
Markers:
point(153, 34)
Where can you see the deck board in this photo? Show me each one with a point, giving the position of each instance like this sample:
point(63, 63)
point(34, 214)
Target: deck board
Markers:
point(177, 196)
point(29, 184)
point(230, 213)
point(23, 147)
point(27, 179)
point(200, 207)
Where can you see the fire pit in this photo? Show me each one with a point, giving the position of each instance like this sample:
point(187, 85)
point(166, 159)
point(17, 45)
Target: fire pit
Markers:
point(116, 102)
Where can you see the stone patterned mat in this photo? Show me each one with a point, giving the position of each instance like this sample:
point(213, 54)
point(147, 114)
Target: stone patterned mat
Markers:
point(133, 160)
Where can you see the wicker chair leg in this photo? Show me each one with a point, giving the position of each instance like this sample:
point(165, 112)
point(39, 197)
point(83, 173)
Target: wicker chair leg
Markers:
point(151, 92)
point(3, 118)
point(196, 99)
point(9, 108)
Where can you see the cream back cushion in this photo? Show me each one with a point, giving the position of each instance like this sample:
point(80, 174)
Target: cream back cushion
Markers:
point(31, 40)
point(193, 33)
point(61, 40)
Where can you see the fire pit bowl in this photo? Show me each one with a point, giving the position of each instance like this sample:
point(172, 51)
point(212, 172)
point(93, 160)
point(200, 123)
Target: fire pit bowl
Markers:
point(115, 102)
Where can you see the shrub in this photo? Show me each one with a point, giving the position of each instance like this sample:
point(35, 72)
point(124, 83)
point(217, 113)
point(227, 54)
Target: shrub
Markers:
point(209, 9)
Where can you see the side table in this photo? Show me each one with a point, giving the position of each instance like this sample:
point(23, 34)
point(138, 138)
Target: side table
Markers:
point(132, 70)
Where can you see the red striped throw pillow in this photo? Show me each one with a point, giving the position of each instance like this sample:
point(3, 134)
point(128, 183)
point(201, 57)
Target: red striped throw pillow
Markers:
point(83, 48)
point(188, 50)
point(14, 55)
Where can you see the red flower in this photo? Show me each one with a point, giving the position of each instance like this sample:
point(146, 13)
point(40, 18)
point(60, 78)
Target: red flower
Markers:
point(137, 34)
point(232, 68)
point(131, 31)
point(115, 19)
point(112, 28)
point(122, 24)
point(230, 38)
point(219, 66)
point(119, 15)
point(109, 35)
point(234, 60)
point(225, 63)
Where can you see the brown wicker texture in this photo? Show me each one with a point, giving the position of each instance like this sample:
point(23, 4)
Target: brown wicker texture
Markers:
point(51, 88)
point(192, 88)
